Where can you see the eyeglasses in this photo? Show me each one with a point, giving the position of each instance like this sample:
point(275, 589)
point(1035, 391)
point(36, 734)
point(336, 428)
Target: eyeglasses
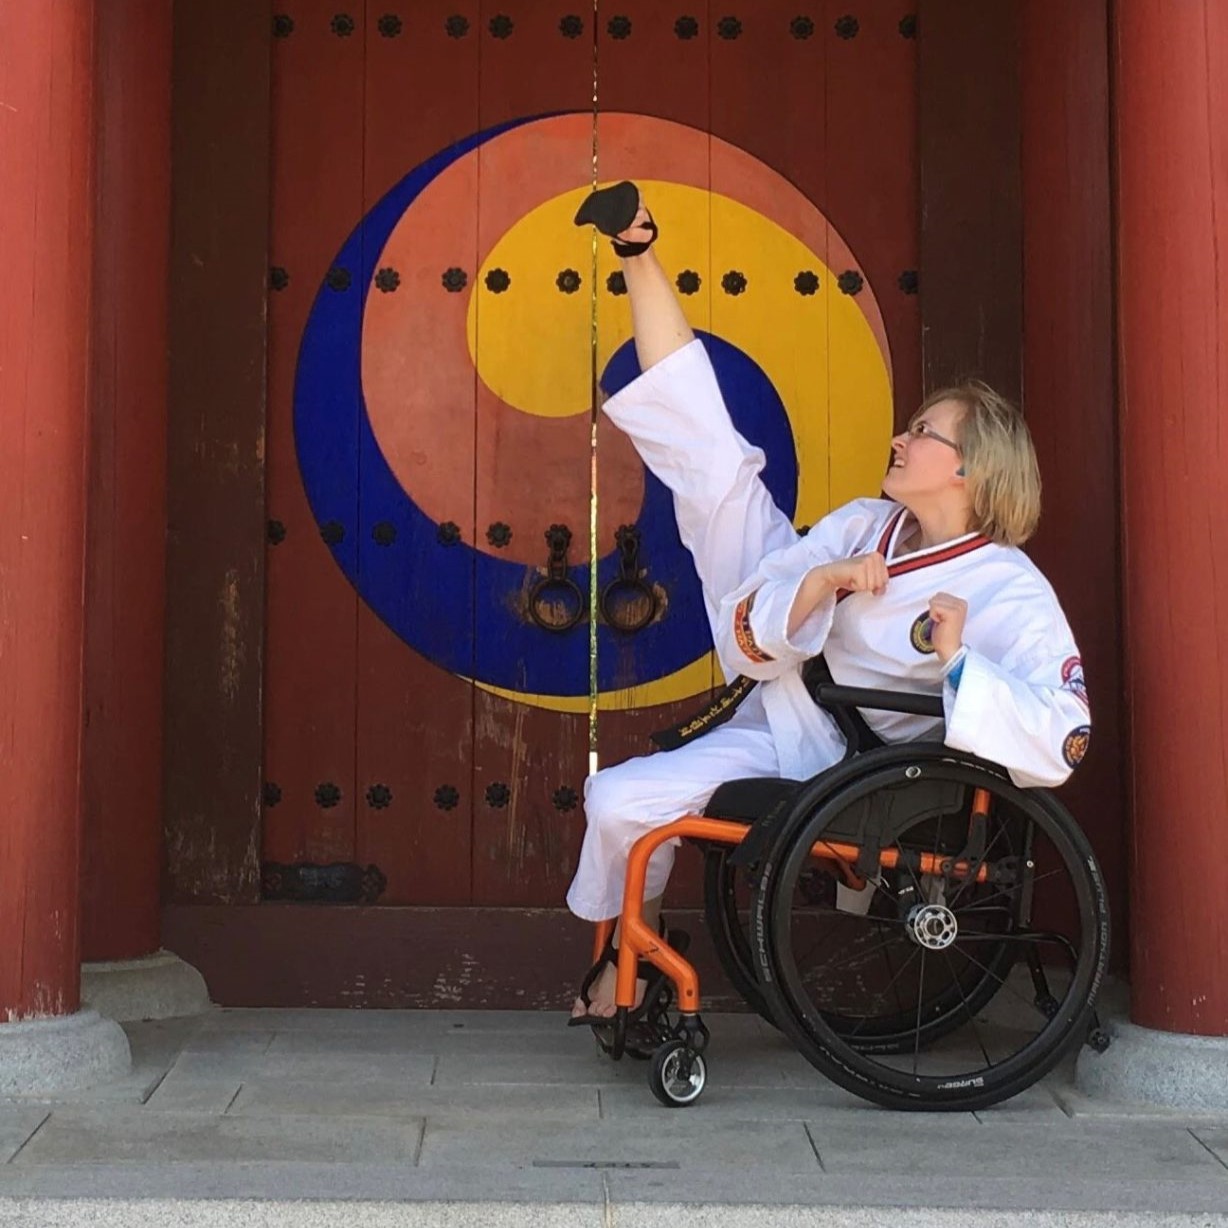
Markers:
point(923, 430)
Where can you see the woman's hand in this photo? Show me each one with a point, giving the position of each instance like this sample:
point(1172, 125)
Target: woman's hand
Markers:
point(947, 617)
point(867, 573)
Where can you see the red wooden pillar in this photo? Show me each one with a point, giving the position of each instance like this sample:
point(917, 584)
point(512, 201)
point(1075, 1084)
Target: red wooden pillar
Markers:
point(1068, 386)
point(126, 542)
point(1171, 96)
point(46, 136)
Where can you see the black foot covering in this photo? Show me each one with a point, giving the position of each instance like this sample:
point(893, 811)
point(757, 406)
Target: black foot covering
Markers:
point(644, 971)
point(612, 210)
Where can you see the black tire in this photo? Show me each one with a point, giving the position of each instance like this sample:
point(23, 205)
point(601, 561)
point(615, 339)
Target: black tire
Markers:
point(992, 931)
point(728, 928)
point(672, 1088)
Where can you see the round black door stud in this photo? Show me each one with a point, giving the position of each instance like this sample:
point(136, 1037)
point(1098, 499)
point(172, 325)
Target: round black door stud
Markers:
point(689, 282)
point(733, 282)
point(279, 279)
point(390, 25)
point(333, 532)
point(619, 27)
point(565, 798)
point(686, 27)
point(338, 278)
point(283, 26)
point(806, 282)
point(379, 797)
point(497, 280)
point(384, 533)
point(457, 26)
point(616, 283)
point(568, 281)
point(729, 27)
point(847, 27)
point(571, 26)
point(387, 280)
point(499, 534)
point(850, 282)
point(271, 793)
point(448, 533)
point(501, 26)
point(498, 795)
point(801, 27)
point(342, 25)
point(277, 532)
point(908, 281)
point(327, 795)
point(446, 797)
point(454, 280)
point(908, 25)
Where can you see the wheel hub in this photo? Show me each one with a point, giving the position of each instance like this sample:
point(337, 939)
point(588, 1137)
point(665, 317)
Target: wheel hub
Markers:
point(932, 926)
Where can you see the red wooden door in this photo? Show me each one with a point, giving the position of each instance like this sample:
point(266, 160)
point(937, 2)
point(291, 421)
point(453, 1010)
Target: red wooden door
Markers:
point(435, 687)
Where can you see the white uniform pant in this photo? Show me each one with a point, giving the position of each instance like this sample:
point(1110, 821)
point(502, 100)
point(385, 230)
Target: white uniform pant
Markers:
point(675, 416)
point(623, 803)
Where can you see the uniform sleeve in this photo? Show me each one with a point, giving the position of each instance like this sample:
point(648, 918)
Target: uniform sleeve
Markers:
point(675, 416)
point(752, 626)
point(1022, 704)
point(677, 420)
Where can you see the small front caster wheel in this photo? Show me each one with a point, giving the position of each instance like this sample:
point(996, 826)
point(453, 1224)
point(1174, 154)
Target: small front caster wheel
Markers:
point(678, 1074)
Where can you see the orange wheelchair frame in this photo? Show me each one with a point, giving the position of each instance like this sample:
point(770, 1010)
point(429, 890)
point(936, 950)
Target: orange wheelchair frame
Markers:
point(638, 941)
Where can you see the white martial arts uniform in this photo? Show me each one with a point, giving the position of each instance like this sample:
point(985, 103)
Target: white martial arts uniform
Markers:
point(1014, 694)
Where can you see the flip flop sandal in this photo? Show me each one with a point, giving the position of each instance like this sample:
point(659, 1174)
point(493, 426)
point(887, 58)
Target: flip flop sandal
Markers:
point(612, 210)
point(655, 981)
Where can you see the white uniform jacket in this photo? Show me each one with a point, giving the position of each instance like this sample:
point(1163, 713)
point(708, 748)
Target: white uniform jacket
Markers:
point(1015, 695)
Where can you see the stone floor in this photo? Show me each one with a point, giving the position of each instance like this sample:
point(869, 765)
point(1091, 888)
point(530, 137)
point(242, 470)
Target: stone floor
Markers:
point(281, 1116)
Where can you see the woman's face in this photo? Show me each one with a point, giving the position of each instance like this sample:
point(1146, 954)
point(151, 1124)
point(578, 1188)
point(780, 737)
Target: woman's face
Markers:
point(926, 457)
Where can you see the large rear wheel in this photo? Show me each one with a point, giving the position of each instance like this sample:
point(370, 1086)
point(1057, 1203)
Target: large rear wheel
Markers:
point(967, 964)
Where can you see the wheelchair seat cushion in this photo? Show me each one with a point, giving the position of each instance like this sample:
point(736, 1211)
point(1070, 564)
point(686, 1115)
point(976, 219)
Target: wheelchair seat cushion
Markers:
point(749, 800)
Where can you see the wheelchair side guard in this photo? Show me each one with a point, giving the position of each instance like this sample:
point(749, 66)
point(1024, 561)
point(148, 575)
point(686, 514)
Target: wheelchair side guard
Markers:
point(793, 810)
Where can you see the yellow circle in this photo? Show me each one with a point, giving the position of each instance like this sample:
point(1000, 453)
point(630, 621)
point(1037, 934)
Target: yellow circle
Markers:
point(536, 348)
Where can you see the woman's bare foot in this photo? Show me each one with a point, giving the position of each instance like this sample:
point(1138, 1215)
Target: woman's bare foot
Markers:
point(601, 995)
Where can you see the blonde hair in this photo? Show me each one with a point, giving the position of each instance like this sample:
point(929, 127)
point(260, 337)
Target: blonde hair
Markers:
point(999, 461)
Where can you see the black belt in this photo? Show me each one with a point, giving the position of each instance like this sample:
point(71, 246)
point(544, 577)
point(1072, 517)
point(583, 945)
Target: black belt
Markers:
point(857, 734)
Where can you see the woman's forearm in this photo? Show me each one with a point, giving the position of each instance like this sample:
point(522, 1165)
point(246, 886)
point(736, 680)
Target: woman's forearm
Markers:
point(816, 588)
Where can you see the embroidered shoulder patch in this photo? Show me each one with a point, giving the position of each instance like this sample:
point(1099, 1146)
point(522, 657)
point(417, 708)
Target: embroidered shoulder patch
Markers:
point(743, 634)
point(1072, 678)
point(1075, 746)
point(920, 634)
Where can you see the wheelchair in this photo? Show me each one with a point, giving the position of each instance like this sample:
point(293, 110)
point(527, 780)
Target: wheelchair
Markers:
point(929, 935)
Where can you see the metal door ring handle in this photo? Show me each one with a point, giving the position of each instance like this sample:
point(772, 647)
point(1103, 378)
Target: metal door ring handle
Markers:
point(615, 611)
point(548, 603)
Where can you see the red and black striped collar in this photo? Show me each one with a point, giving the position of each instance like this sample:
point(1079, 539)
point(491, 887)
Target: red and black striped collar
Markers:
point(918, 559)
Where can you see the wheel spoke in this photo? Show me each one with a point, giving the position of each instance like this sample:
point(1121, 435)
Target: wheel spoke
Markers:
point(967, 1008)
point(959, 891)
point(1003, 982)
point(882, 993)
point(980, 904)
point(916, 1035)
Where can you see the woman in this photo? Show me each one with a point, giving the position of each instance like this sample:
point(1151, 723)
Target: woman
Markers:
point(925, 589)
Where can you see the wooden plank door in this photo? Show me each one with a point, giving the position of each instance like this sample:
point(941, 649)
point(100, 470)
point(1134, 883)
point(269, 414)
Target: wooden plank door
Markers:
point(313, 530)
point(778, 151)
point(437, 326)
point(414, 708)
